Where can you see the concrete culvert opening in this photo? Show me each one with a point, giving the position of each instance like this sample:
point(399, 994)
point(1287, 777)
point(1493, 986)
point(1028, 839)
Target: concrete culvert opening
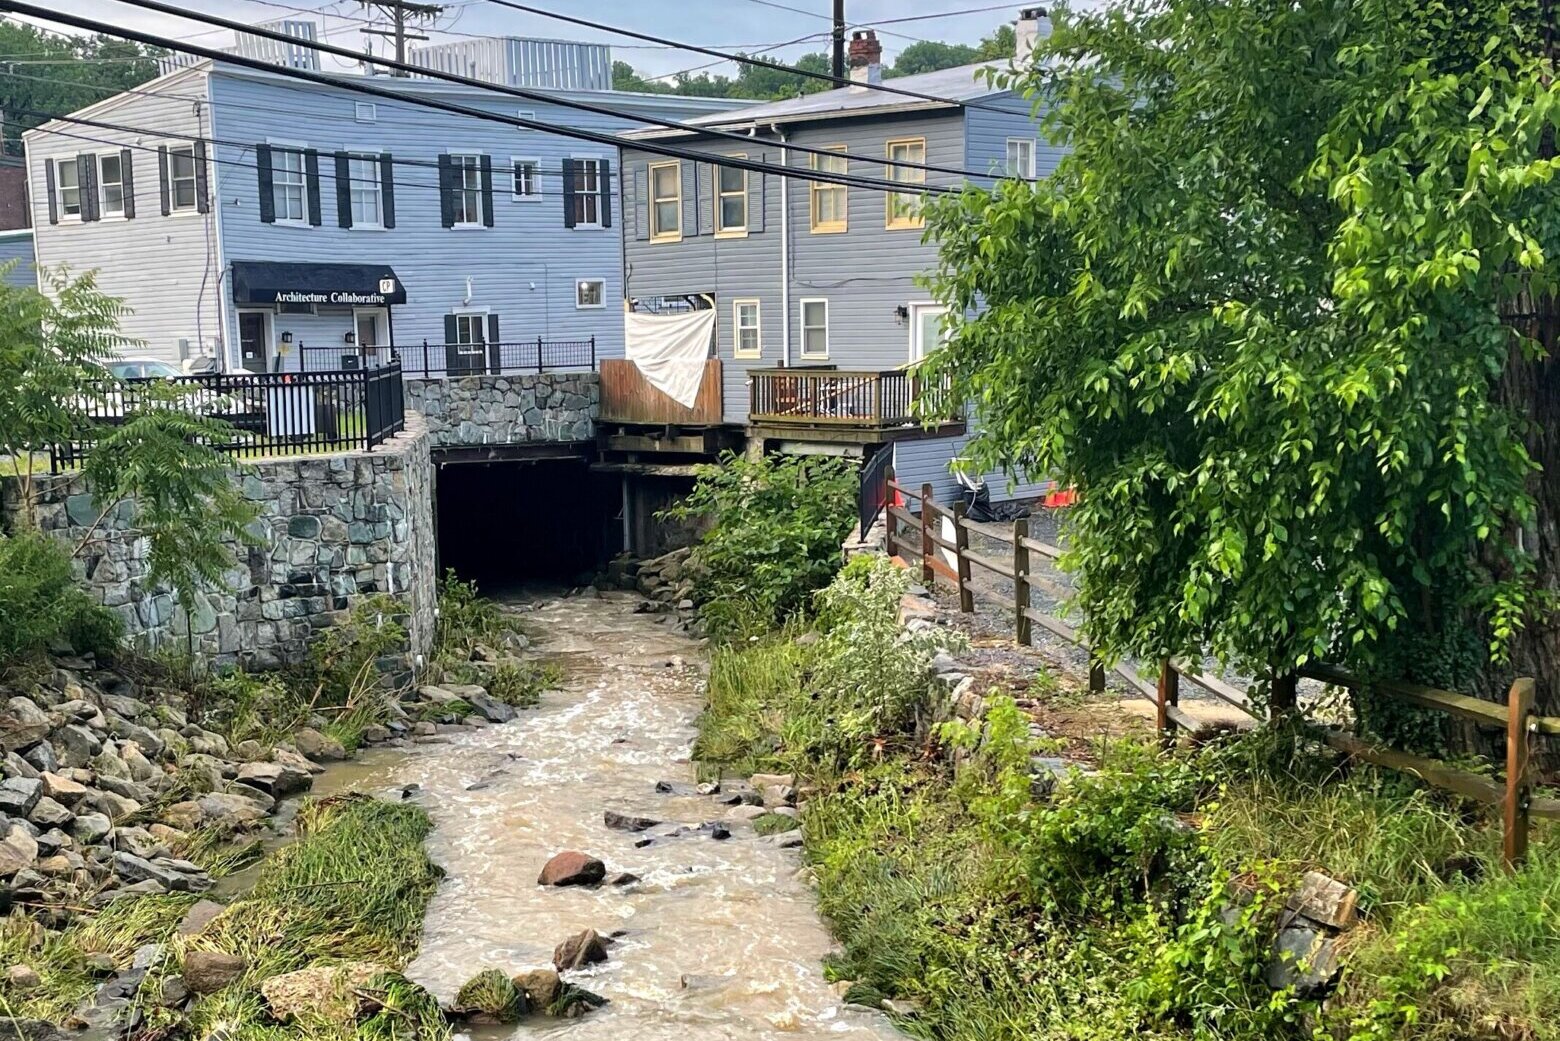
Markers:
point(511, 523)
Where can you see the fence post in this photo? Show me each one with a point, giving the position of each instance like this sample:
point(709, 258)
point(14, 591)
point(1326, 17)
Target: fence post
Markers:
point(538, 355)
point(889, 523)
point(1519, 786)
point(1096, 675)
point(1284, 696)
point(928, 576)
point(593, 352)
point(425, 359)
point(1021, 623)
point(1169, 696)
point(961, 542)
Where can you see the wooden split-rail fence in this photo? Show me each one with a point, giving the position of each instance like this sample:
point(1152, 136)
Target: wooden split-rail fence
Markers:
point(922, 531)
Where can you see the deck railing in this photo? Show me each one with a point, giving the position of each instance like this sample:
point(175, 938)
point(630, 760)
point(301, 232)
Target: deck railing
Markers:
point(839, 397)
point(441, 360)
point(270, 414)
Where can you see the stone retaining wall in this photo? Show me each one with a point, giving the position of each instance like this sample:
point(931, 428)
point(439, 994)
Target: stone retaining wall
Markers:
point(470, 411)
point(333, 529)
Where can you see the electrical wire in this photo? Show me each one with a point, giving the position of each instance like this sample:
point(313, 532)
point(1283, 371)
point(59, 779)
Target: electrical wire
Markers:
point(373, 90)
point(520, 92)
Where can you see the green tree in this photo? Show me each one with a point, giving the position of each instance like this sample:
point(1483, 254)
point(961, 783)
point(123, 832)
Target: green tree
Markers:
point(48, 73)
point(1000, 45)
point(1258, 316)
point(931, 55)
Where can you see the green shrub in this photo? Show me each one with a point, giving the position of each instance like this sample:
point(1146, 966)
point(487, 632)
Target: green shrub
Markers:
point(776, 525)
point(40, 602)
point(520, 683)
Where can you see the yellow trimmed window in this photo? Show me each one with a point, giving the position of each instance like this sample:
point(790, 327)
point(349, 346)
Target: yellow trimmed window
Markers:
point(829, 200)
point(666, 201)
point(904, 208)
point(745, 341)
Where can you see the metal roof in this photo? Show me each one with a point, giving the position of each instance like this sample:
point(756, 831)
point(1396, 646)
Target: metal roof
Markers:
point(956, 85)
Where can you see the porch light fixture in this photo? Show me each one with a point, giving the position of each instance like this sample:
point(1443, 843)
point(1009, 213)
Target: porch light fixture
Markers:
point(350, 337)
point(287, 336)
point(901, 314)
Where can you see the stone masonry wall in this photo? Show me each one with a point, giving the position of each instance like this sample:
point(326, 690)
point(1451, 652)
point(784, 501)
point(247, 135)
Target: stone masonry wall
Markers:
point(333, 529)
point(470, 411)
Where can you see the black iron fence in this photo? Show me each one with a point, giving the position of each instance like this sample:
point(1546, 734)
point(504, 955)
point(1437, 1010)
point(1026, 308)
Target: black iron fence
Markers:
point(876, 472)
point(440, 360)
point(270, 414)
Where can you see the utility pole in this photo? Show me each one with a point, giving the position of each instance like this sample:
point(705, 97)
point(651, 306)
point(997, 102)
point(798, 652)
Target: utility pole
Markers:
point(837, 58)
point(399, 12)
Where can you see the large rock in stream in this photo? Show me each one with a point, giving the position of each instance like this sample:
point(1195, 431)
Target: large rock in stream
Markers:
point(572, 868)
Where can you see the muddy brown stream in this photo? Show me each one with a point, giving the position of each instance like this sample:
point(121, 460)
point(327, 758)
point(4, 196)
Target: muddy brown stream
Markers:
point(722, 938)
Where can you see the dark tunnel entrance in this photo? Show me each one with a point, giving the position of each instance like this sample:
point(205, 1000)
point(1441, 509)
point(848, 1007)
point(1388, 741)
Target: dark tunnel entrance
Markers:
point(506, 524)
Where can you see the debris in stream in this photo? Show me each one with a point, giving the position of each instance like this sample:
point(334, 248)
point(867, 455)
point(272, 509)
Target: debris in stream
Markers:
point(626, 822)
point(582, 949)
point(676, 788)
point(572, 868)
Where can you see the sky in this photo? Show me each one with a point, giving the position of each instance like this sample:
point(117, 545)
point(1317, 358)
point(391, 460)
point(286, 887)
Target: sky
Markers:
point(720, 24)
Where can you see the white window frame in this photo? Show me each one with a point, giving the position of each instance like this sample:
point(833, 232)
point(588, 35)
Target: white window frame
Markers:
point(365, 112)
point(535, 193)
point(598, 193)
point(104, 213)
point(656, 235)
point(279, 149)
point(802, 324)
point(581, 283)
point(182, 147)
point(60, 188)
point(1026, 147)
point(374, 185)
point(720, 194)
point(737, 327)
point(815, 189)
point(464, 162)
point(904, 175)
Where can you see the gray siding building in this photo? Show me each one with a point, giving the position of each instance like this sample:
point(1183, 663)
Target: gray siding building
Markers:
point(16, 250)
point(817, 278)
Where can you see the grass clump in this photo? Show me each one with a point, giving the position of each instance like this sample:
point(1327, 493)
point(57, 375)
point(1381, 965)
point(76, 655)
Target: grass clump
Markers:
point(490, 997)
point(775, 823)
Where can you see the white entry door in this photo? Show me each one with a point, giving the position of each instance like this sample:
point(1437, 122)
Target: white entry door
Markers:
point(926, 329)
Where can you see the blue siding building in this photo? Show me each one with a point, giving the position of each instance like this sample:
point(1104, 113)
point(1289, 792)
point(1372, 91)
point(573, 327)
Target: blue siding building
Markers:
point(16, 249)
point(271, 224)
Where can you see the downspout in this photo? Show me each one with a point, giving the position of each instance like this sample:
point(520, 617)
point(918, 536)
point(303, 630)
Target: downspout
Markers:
point(785, 251)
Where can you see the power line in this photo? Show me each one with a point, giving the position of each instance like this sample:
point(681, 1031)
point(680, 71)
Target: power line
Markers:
point(362, 86)
point(520, 92)
point(832, 78)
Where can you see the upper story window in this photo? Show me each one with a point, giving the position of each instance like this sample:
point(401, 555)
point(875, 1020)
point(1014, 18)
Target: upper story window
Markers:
point(182, 194)
point(1020, 157)
point(467, 189)
point(366, 192)
point(829, 200)
point(666, 201)
point(589, 209)
point(111, 185)
point(67, 188)
point(731, 199)
point(815, 328)
point(289, 185)
point(904, 208)
point(528, 180)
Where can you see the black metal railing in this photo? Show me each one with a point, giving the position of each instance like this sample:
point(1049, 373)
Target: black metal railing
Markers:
point(442, 360)
point(273, 413)
point(876, 472)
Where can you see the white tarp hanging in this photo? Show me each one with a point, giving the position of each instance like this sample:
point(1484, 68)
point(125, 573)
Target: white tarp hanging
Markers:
point(670, 350)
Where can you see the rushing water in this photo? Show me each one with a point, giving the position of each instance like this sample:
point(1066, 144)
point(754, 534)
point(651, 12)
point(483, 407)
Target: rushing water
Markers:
point(721, 941)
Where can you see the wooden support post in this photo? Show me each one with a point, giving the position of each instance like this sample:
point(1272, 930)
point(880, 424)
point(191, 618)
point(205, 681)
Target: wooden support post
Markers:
point(1096, 675)
point(1519, 779)
point(889, 523)
point(928, 576)
point(1021, 623)
point(1283, 698)
point(961, 561)
point(1169, 697)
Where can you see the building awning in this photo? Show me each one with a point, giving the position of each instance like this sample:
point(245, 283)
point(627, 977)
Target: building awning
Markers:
point(283, 282)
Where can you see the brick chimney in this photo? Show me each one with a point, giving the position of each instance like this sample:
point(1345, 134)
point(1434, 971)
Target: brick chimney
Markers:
point(865, 59)
point(1034, 24)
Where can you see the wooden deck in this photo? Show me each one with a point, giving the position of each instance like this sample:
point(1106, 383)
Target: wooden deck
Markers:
point(627, 397)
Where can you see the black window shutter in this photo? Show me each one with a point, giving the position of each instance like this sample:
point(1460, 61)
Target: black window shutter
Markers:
point(568, 193)
point(387, 189)
point(451, 334)
point(48, 187)
point(641, 201)
point(311, 173)
point(162, 177)
point(343, 190)
point(86, 166)
point(267, 189)
point(127, 172)
point(487, 190)
point(604, 183)
point(492, 329)
point(447, 209)
point(202, 186)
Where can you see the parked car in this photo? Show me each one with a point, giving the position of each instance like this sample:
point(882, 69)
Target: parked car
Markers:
point(114, 404)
